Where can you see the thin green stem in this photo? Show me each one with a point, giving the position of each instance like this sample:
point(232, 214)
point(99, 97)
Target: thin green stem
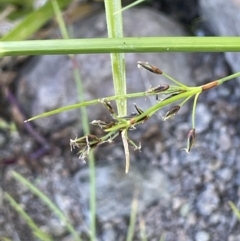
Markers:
point(174, 80)
point(194, 109)
point(85, 121)
point(88, 103)
point(133, 217)
point(149, 112)
point(111, 135)
point(153, 109)
point(46, 200)
point(129, 6)
point(60, 20)
point(182, 103)
point(234, 209)
point(232, 76)
point(34, 227)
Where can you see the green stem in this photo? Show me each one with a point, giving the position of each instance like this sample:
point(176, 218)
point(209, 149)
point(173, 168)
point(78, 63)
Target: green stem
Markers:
point(194, 109)
point(232, 76)
point(174, 80)
point(84, 118)
point(185, 100)
point(120, 45)
point(88, 103)
point(149, 112)
point(115, 31)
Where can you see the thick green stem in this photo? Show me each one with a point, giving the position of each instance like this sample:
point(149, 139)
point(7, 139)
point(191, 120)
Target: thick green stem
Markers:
point(115, 31)
point(120, 45)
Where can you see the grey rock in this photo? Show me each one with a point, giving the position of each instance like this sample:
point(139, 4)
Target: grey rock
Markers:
point(225, 142)
point(184, 211)
point(54, 227)
point(177, 203)
point(215, 218)
point(46, 83)
point(223, 18)
point(202, 236)
point(108, 232)
point(114, 198)
point(203, 118)
point(191, 219)
point(208, 201)
point(173, 170)
point(225, 174)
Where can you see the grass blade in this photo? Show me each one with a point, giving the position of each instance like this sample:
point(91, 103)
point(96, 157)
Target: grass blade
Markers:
point(33, 22)
point(48, 203)
point(35, 229)
point(234, 209)
point(85, 122)
point(115, 30)
point(130, 6)
point(133, 216)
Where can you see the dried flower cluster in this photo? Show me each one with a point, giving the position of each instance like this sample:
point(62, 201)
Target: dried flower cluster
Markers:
point(119, 125)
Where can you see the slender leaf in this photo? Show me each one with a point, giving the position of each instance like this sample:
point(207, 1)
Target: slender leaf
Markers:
point(115, 30)
point(133, 216)
point(120, 45)
point(85, 121)
point(48, 203)
point(36, 230)
point(234, 209)
point(34, 21)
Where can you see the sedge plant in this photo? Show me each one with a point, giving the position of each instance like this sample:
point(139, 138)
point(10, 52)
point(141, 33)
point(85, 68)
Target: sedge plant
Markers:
point(175, 96)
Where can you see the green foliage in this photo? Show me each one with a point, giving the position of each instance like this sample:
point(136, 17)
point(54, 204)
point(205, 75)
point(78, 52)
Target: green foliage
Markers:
point(234, 209)
point(37, 232)
point(4, 125)
point(84, 121)
point(47, 202)
point(33, 22)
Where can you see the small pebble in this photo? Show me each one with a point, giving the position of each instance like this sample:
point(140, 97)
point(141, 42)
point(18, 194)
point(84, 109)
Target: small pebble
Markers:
point(225, 142)
point(225, 174)
point(202, 236)
point(208, 201)
point(203, 118)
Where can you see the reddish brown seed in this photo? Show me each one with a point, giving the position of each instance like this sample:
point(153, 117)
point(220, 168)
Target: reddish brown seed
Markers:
point(149, 67)
point(173, 111)
point(158, 89)
point(191, 139)
point(161, 88)
point(92, 138)
point(107, 105)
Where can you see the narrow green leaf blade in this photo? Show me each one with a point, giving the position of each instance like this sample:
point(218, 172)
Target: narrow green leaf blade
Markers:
point(33, 22)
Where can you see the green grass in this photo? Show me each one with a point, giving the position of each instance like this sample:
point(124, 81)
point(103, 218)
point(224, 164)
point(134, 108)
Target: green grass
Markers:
point(36, 231)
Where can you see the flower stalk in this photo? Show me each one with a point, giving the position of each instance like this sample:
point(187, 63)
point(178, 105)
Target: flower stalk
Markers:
point(120, 125)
